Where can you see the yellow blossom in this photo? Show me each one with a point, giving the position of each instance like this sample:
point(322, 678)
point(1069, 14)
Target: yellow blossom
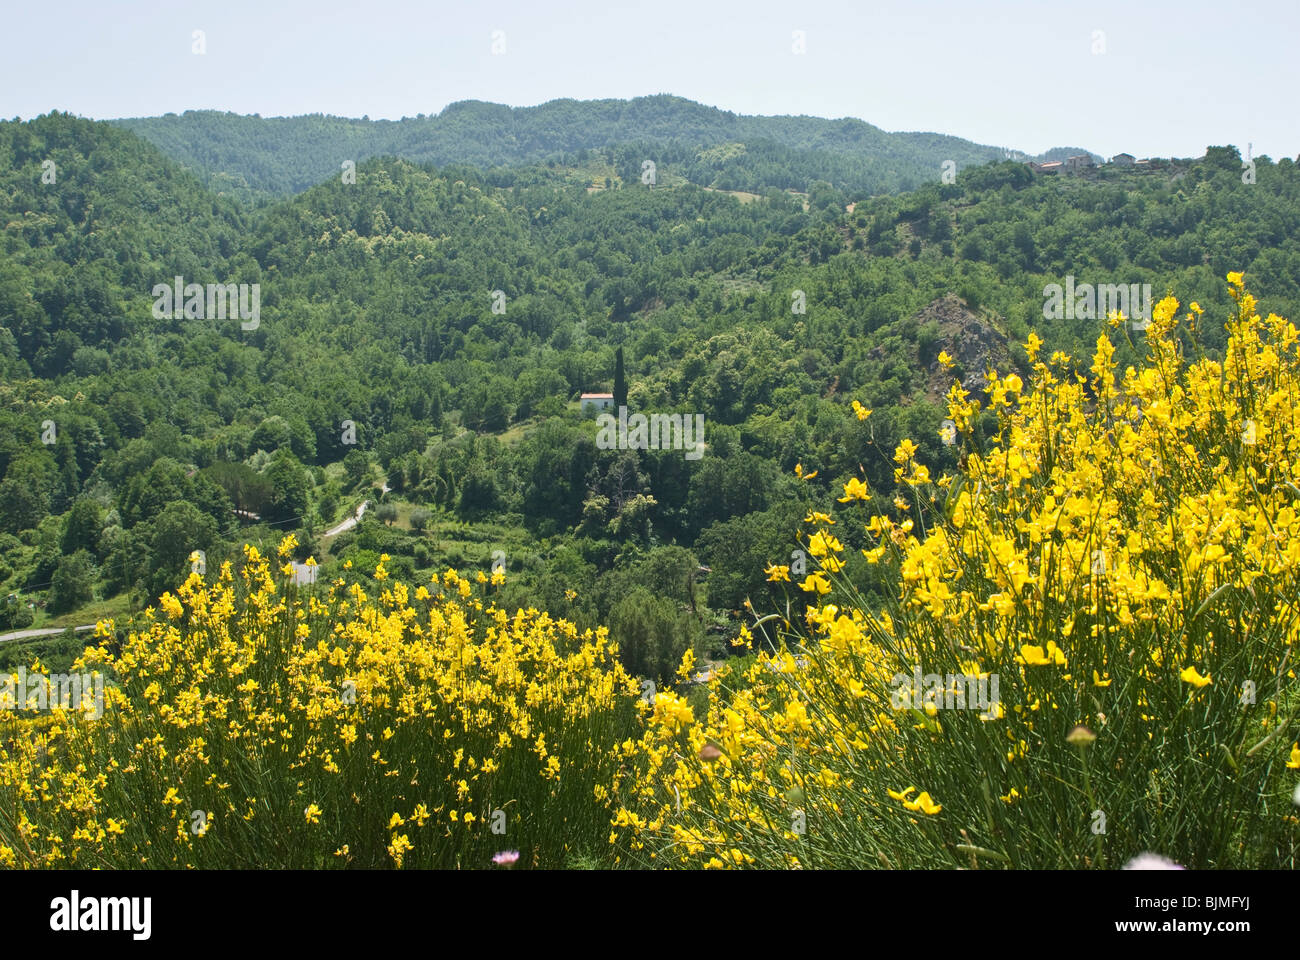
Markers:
point(1190, 675)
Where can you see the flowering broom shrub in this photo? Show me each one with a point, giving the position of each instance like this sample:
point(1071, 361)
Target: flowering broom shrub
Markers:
point(251, 724)
point(1122, 556)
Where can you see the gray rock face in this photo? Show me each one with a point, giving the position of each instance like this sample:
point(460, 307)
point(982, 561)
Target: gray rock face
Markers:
point(972, 342)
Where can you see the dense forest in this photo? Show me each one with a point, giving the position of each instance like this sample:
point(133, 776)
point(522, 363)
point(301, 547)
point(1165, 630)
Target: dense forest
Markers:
point(426, 328)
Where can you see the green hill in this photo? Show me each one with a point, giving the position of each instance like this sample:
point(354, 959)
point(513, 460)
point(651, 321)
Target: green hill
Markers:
point(253, 156)
point(432, 327)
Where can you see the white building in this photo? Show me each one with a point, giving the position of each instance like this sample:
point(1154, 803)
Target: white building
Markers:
point(596, 402)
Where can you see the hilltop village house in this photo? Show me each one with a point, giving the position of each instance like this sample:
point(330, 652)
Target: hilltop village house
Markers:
point(595, 402)
point(1083, 161)
point(1070, 164)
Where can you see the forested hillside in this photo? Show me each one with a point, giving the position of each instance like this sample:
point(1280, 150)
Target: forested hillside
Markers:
point(428, 329)
point(253, 157)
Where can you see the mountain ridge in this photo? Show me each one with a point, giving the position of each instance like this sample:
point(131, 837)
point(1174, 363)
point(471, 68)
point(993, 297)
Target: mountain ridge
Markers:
point(263, 157)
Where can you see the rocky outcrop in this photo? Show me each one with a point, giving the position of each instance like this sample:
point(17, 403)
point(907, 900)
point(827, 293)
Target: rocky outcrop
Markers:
point(971, 340)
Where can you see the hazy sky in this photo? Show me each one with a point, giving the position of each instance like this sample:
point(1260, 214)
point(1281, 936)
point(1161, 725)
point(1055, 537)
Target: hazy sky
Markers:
point(1151, 78)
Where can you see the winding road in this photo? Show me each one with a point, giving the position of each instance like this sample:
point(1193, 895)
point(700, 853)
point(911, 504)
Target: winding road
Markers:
point(42, 632)
point(349, 523)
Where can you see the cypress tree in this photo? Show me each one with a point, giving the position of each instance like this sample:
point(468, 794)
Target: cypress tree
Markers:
point(620, 381)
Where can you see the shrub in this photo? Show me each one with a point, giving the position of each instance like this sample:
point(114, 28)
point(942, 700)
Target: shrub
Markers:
point(651, 634)
point(1127, 567)
point(255, 729)
point(73, 583)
